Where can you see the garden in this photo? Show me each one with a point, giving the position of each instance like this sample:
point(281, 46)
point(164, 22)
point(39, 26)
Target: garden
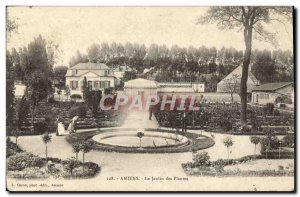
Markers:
point(21, 164)
point(225, 118)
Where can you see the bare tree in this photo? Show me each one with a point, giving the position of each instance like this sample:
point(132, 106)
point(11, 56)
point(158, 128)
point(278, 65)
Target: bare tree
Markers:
point(232, 85)
point(248, 19)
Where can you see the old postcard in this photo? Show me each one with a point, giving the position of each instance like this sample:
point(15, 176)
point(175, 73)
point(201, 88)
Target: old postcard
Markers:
point(150, 99)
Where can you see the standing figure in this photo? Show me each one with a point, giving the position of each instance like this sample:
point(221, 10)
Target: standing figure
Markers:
point(72, 128)
point(56, 123)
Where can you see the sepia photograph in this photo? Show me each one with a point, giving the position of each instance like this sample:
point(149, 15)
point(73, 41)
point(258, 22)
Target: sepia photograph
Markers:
point(150, 99)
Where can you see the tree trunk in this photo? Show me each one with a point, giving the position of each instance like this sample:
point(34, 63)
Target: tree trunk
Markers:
point(246, 62)
point(227, 152)
point(76, 156)
point(254, 149)
point(231, 97)
point(140, 142)
point(32, 116)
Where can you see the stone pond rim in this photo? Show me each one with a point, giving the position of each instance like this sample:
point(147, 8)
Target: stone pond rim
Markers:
point(195, 142)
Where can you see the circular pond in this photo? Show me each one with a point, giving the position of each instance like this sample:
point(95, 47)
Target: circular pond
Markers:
point(150, 139)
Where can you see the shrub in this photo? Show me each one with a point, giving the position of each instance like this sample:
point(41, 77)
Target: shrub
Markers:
point(90, 169)
point(12, 148)
point(29, 173)
point(269, 108)
point(21, 161)
point(288, 141)
point(80, 111)
point(75, 97)
point(276, 112)
point(71, 164)
point(273, 142)
point(201, 159)
point(41, 127)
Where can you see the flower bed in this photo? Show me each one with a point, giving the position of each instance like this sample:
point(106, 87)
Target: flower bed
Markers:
point(25, 165)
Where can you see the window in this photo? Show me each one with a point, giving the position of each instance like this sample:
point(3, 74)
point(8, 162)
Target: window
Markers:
point(263, 96)
point(96, 85)
point(74, 85)
point(104, 84)
point(106, 72)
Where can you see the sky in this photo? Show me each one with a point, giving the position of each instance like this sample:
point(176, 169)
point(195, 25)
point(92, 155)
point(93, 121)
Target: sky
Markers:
point(76, 28)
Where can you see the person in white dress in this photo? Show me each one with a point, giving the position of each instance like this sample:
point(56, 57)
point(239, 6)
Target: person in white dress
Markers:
point(71, 127)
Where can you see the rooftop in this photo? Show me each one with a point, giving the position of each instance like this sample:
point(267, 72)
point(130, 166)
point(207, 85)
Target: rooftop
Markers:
point(89, 66)
point(271, 86)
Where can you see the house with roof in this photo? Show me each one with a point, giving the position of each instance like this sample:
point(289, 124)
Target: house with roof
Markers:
point(99, 77)
point(140, 86)
point(235, 77)
point(270, 92)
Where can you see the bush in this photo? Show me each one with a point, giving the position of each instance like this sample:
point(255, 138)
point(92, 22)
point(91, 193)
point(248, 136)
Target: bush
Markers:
point(29, 173)
point(75, 97)
point(272, 141)
point(288, 141)
point(41, 127)
point(80, 111)
point(21, 161)
point(269, 108)
point(276, 112)
point(201, 159)
point(12, 148)
point(274, 154)
point(90, 169)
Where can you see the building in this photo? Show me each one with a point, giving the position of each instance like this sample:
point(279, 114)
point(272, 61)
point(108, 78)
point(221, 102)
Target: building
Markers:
point(269, 92)
point(145, 87)
point(180, 88)
point(142, 87)
point(98, 75)
point(224, 86)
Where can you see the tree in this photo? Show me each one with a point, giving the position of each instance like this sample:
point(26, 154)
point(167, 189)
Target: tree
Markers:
point(248, 18)
point(76, 149)
point(67, 92)
point(60, 74)
point(38, 88)
point(15, 133)
point(46, 139)
point(232, 85)
point(228, 142)
point(86, 147)
point(93, 53)
point(201, 160)
point(85, 89)
point(264, 67)
point(22, 111)
point(140, 135)
point(10, 91)
point(71, 164)
point(92, 100)
point(254, 140)
point(38, 73)
point(78, 58)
